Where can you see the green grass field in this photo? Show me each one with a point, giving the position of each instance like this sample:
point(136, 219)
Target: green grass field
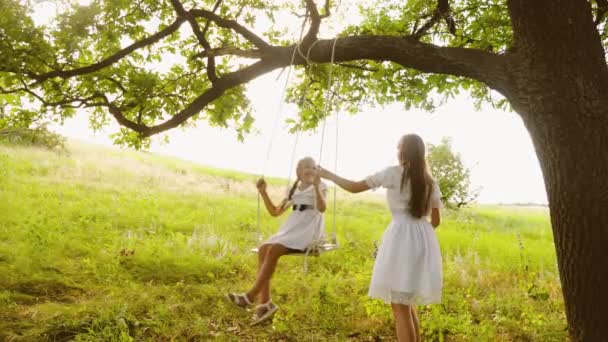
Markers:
point(66, 221)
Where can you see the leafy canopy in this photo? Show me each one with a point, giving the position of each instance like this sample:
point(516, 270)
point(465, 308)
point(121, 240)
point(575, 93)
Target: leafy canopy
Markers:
point(148, 62)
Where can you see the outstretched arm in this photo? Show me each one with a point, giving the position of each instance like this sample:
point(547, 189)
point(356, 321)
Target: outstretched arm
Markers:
point(348, 185)
point(272, 209)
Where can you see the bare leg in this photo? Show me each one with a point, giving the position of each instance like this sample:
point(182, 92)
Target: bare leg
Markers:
point(275, 251)
point(404, 324)
point(416, 322)
point(265, 290)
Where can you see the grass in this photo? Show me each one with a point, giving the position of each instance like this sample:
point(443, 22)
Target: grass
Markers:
point(103, 244)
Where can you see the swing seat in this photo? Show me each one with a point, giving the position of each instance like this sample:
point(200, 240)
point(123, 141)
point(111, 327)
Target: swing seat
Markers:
point(315, 249)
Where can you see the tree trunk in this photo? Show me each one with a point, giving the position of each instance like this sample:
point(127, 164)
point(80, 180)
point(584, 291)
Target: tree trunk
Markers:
point(561, 83)
point(561, 96)
point(574, 158)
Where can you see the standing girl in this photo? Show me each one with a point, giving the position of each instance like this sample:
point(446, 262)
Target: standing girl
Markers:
point(303, 226)
point(407, 270)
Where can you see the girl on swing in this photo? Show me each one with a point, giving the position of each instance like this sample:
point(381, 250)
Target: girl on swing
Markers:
point(304, 225)
point(407, 270)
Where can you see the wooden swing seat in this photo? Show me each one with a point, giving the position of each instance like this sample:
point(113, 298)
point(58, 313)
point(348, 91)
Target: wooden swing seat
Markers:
point(311, 251)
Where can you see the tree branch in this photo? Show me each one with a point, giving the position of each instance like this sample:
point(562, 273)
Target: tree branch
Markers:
point(211, 73)
point(229, 50)
point(115, 57)
point(315, 23)
point(480, 65)
point(118, 84)
point(407, 51)
point(65, 103)
point(11, 91)
point(427, 26)
point(224, 83)
point(208, 23)
point(200, 35)
point(442, 11)
point(122, 120)
point(327, 8)
point(443, 6)
point(232, 25)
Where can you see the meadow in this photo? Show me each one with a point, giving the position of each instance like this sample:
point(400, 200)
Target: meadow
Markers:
point(100, 244)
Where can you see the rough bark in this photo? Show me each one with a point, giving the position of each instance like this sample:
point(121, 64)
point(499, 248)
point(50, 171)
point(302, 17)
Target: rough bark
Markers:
point(561, 78)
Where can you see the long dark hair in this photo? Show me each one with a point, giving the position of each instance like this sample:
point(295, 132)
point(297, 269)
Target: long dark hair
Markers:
point(293, 189)
point(412, 158)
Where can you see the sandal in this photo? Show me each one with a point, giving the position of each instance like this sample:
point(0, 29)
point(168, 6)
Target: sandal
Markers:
point(239, 299)
point(270, 307)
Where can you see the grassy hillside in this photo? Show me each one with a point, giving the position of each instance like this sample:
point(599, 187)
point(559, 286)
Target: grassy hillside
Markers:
point(108, 245)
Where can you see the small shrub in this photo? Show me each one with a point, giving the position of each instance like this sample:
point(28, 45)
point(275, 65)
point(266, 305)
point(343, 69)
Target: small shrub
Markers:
point(38, 136)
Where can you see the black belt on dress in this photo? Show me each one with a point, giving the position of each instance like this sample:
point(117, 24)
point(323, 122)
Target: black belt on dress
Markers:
point(302, 207)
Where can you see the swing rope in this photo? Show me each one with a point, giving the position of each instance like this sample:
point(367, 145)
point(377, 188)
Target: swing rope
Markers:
point(318, 245)
point(334, 238)
point(327, 110)
point(274, 128)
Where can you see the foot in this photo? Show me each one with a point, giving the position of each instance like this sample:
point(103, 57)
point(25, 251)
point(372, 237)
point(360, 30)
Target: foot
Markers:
point(239, 299)
point(264, 312)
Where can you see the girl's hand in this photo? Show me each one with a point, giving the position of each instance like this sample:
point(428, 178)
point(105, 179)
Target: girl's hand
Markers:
point(261, 185)
point(317, 180)
point(322, 173)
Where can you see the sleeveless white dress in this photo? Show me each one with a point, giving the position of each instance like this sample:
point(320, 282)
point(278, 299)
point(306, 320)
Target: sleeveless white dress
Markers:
point(301, 227)
point(407, 269)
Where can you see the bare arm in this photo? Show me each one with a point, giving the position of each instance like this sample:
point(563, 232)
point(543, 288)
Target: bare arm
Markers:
point(272, 209)
point(346, 184)
point(435, 217)
point(319, 195)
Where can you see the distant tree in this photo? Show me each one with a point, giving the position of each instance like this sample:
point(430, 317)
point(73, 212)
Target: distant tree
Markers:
point(451, 174)
point(29, 129)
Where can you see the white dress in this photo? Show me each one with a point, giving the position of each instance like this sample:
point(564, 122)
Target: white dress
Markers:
point(408, 264)
point(301, 227)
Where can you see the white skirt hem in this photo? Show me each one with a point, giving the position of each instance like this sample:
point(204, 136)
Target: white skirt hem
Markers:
point(406, 298)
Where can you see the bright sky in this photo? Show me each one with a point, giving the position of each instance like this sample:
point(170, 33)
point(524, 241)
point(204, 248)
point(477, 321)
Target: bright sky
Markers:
point(493, 144)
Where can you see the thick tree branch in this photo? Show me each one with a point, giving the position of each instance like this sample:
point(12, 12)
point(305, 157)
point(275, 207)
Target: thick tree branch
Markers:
point(480, 65)
point(476, 64)
point(224, 83)
point(122, 120)
point(115, 57)
point(406, 51)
